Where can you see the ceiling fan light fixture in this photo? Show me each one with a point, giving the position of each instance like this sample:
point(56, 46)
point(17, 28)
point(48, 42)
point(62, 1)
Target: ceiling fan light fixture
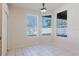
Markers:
point(43, 10)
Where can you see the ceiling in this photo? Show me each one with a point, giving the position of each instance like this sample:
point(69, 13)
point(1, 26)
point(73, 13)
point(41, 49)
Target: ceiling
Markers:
point(37, 6)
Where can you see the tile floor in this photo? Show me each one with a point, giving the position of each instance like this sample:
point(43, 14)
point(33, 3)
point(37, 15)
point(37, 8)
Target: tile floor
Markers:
point(41, 50)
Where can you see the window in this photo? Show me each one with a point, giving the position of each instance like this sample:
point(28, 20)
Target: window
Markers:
point(46, 25)
point(62, 24)
point(32, 25)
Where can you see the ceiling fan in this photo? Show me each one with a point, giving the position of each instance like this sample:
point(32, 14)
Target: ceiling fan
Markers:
point(43, 10)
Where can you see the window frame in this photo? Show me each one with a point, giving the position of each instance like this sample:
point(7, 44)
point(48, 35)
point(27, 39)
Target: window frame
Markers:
point(65, 26)
point(47, 34)
point(27, 25)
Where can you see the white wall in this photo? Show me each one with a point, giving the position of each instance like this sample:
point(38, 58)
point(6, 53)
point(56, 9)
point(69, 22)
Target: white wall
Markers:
point(72, 41)
point(4, 28)
point(17, 29)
